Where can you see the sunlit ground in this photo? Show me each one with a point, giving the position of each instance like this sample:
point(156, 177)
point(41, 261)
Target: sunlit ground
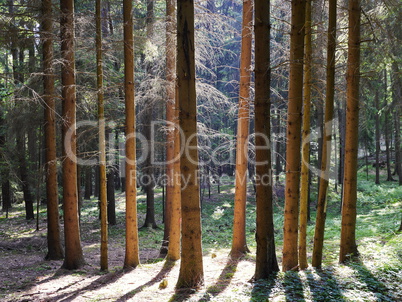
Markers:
point(25, 276)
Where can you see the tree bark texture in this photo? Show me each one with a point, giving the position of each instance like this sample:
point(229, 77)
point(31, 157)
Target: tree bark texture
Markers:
point(132, 250)
point(305, 173)
point(55, 249)
point(191, 267)
point(293, 137)
point(102, 140)
point(239, 244)
point(173, 189)
point(326, 138)
point(348, 247)
point(73, 251)
point(266, 262)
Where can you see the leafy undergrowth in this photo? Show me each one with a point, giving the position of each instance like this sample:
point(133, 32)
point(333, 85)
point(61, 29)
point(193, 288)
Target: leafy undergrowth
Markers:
point(25, 276)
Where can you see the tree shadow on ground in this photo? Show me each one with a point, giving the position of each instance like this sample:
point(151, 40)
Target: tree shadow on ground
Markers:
point(323, 285)
point(293, 287)
point(214, 290)
point(223, 281)
point(371, 283)
point(98, 283)
point(263, 288)
point(167, 267)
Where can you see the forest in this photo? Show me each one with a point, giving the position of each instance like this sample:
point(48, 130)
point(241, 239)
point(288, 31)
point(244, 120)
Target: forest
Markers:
point(203, 150)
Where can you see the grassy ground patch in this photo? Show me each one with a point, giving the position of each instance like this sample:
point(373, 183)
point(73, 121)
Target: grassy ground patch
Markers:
point(25, 276)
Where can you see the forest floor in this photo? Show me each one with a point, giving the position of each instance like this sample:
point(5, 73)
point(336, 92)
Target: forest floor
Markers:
point(26, 276)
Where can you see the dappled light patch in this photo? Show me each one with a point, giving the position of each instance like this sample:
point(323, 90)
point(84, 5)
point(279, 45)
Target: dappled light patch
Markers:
point(24, 275)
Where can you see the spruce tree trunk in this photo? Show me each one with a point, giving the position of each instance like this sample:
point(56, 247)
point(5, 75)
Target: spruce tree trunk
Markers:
point(239, 245)
point(398, 155)
point(266, 262)
point(191, 267)
point(396, 96)
point(5, 173)
point(293, 138)
point(55, 249)
point(111, 200)
point(386, 128)
point(88, 183)
point(327, 139)
point(377, 138)
point(73, 251)
point(132, 249)
point(348, 247)
point(148, 170)
point(102, 140)
point(173, 190)
point(23, 171)
point(278, 155)
point(305, 173)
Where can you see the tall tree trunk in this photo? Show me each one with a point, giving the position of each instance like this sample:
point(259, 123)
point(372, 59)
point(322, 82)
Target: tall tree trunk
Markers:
point(305, 175)
point(88, 183)
point(293, 138)
point(398, 155)
point(326, 139)
point(266, 262)
point(111, 200)
point(386, 128)
point(239, 245)
point(5, 173)
point(396, 96)
point(148, 170)
point(278, 155)
point(377, 138)
point(96, 182)
point(132, 250)
point(348, 247)
point(74, 257)
point(342, 139)
point(191, 268)
point(102, 140)
point(55, 249)
point(23, 171)
point(173, 194)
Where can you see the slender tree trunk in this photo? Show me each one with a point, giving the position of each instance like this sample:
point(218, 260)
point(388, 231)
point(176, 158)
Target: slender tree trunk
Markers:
point(191, 267)
point(88, 183)
point(239, 245)
point(278, 155)
point(266, 262)
point(148, 170)
point(377, 138)
point(326, 138)
point(96, 183)
point(5, 173)
point(55, 249)
point(132, 250)
point(293, 138)
point(305, 175)
point(396, 96)
point(23, 171)
point(386, 128)
point(398, 155)
point(173, 190)
point(111, 200)
point(342, 139)
point(102, 140)
point(74, 257)
point(117, 181)
point(348, 247)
